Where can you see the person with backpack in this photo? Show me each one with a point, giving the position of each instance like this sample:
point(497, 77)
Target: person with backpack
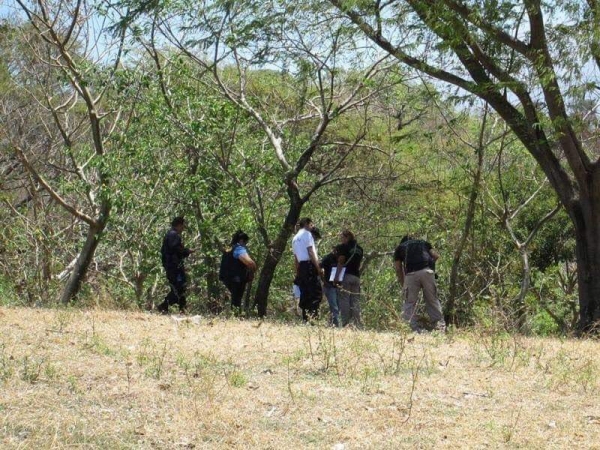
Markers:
point(237, 268)
point(308, 270)
point(173, 254)
point(347, 278)
point(414, 262)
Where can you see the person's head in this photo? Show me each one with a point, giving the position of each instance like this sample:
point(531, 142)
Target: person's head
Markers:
point(316, 233)
point(239, 237)
point(406, 237)
point(306, 223)
point(346, 236)
point(178, 224)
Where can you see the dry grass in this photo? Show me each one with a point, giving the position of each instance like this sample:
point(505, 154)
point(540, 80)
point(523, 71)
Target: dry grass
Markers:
point(113, 380)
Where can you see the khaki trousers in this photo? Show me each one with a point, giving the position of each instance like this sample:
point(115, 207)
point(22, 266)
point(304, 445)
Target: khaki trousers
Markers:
point(414, 282)
point(349, 301)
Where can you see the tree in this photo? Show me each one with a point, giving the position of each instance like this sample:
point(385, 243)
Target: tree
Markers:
point(73, 116)
point(527, 60)
point(287, 75)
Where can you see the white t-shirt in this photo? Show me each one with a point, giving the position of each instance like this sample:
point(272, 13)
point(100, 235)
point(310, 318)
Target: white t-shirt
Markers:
point(300, 243)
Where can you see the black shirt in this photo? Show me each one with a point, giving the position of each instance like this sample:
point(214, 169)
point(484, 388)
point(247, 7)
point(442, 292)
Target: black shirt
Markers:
point(353, 254)
point(328, 262)
point(173, 252)
point(414, 254)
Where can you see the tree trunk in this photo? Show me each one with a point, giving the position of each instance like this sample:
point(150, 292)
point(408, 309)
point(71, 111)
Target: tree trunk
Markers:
point(525, 283)
point(214, 286)
point(138, 284)
point(86, 255)
point(84, 259)
point(452, 316)
point(587, 235)
point(273, 257)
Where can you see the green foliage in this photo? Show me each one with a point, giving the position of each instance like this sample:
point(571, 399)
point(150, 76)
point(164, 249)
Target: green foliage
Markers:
point(184, 147)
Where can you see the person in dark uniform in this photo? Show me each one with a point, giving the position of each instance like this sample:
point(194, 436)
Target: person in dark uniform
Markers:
point(240, 269)
point(173, 254)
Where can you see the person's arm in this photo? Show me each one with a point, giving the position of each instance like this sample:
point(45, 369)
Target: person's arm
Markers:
point(175, 245)
point(247, 261)
point(399, 267)
point(434, 254)
point(313, 257)
point(296, 264)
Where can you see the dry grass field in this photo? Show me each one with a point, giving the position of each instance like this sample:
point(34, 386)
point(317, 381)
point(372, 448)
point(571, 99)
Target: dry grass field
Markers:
point(117, 380)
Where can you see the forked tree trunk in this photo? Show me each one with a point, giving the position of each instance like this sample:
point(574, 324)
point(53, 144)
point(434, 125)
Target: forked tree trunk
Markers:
point(86, 255)
point(273, 256)
point(82, 264)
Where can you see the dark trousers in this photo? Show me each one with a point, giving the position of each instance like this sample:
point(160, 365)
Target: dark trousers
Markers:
point(236, 289)
point(177, 282)
point(311, 291)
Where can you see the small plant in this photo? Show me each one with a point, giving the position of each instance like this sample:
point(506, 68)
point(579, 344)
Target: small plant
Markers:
point(156, 364)
point(370, 375)
point(508, 431)
point(62, 319)
point(391, 362)
point(50, 371)
point(586, 375)
point(31, 369)
point(324, 351)
point(73, 385)
point(97, 345)
point(237, 379)
point(6, 366)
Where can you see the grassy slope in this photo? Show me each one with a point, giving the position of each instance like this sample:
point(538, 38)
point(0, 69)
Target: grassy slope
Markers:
point(130, 380)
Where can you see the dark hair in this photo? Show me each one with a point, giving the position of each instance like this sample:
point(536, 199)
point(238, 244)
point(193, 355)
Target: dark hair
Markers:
point(316, 233)
point(305, 221)
point(349, 234)
point(179, 220)
point(406, 237)
point(238, 236)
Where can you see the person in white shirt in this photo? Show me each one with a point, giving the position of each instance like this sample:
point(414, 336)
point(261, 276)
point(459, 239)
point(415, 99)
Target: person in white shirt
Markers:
point(308, 270)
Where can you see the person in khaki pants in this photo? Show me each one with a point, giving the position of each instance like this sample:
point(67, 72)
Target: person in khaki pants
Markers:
point(414, 261)
point(349, 256)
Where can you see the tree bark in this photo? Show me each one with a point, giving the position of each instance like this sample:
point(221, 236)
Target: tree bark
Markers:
point(452, 316)
point(85, 257)
point(274, 254)
point(587, 250)
point(525, 283)
point(214, 286)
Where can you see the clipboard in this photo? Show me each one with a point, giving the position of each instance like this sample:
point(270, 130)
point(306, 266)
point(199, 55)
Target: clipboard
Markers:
point(334, 271)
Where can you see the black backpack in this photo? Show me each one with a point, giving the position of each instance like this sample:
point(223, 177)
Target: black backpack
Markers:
point(231, 269)
point(416, 254)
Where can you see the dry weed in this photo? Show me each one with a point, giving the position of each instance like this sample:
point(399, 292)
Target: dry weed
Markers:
point(96, 379)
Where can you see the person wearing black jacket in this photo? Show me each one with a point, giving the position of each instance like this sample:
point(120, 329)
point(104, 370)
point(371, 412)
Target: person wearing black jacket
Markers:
point(173, 254)
point(349, 257)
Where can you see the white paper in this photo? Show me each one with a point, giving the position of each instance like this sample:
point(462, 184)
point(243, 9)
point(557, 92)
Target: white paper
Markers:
point(334, 271)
